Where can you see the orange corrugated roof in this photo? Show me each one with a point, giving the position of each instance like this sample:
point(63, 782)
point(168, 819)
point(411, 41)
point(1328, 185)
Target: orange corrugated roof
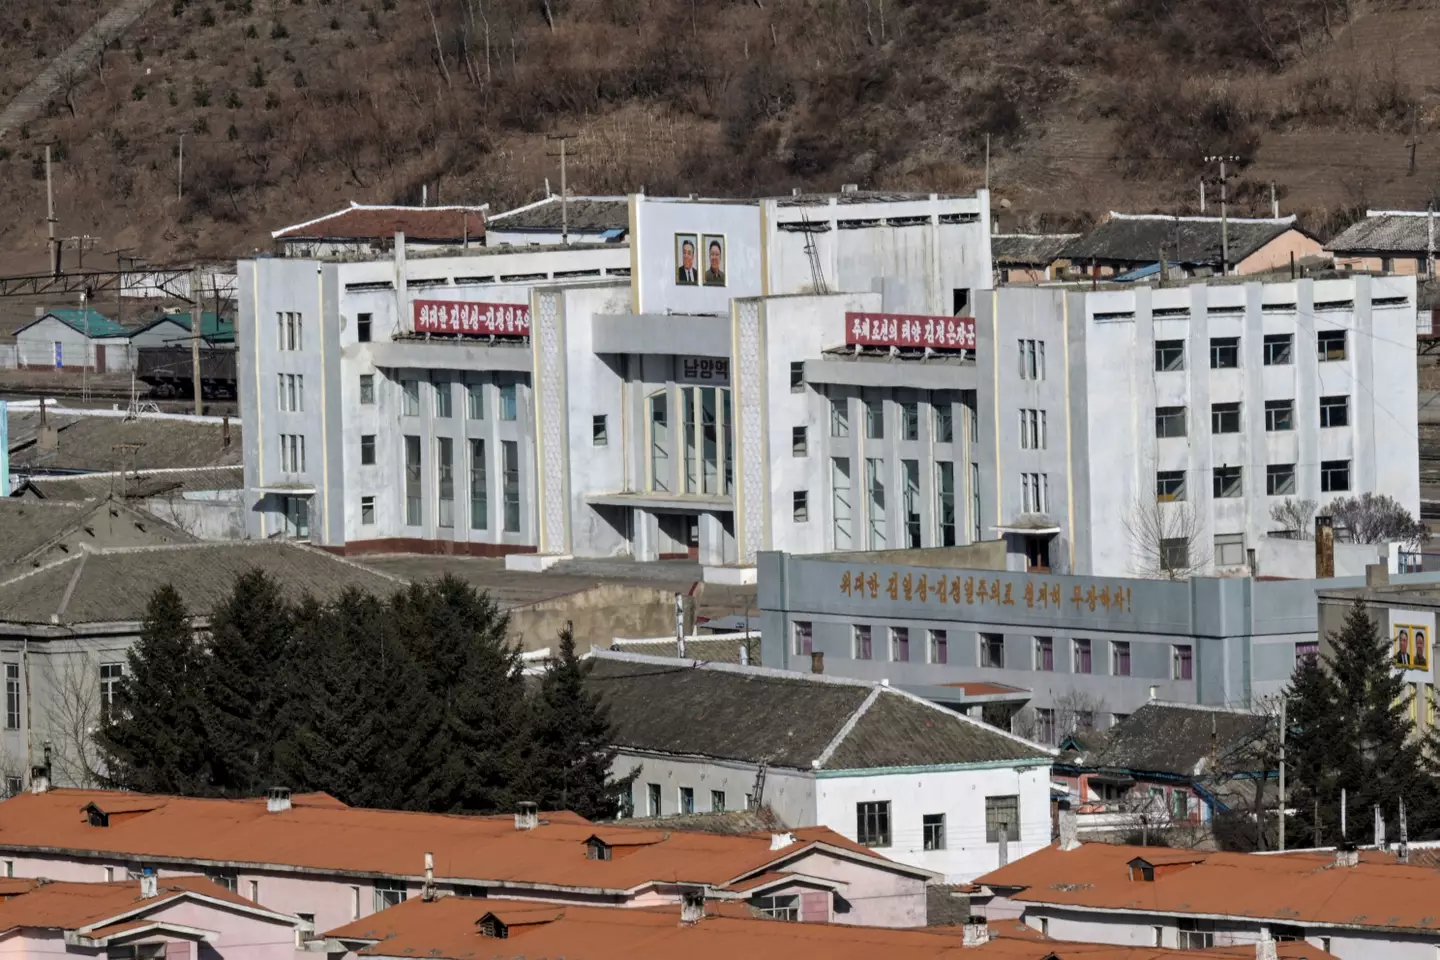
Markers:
point(73, 906)
point(1296, 888)
point(387, 842)
point(358, 222)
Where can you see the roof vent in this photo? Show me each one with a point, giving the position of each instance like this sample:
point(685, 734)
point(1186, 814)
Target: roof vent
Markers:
point(779, 841)
point(277, 800)
point(149, 885)
point(527, 815)
point(1069, 829)
point(692, 906)
point(427, 892)
point(1347, 855)
point(977, 932)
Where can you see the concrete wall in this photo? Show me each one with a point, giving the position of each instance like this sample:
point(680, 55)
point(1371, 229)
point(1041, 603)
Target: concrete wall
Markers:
point(1282, 557)
point(789, 793)
point(658, 221)
point(1278, 253)
point(35, 347)
point(602, 611)
point(208, 518)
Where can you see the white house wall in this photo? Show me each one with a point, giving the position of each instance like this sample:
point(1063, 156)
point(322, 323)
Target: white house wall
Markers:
point(789, 794)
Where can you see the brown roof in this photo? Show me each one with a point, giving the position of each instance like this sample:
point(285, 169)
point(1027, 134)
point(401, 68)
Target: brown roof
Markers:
point(319, 837)
point(90, 906)
point(1296, 888)
point(1029, 249)
point(35, 532)
point(363, 222)
point(581, 214)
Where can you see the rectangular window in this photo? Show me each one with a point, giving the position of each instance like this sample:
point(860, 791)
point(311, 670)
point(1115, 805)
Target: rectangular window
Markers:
point(510, 454)
point(687, 799)
point(874, 419)
point(367, 388)
point(445, 480)
point(1032, 430)
point(872, 823)
point(354, 903)
point(292, 453)
point(1278, 349)
point(410, 398)
point(367, 449)
point(932, 828)
point(444, 400)
point(1032, 359)
point(974, 503)
point(1230, 550)
point(1045, 654)
point(939, 647)
point(1279, 415)
point(652, 799)
point(840, 505)
point(1280, 480)
point(1082, 655)
point(1119, 658)
point(111, 696)
point(1330, 345)
point(717, 801)
point(875, 484)
point(1227, 482)
point(911, 470)
point(413, 481)
point(1307, 651)
point(507, 401)
point(1224, 353)
point(389, 893)
point(861, 640)
point(1334, 476)
point(1182, 662)
point(992, 650)
point(12, 696)
point(909, 420)
point(659, 443)
point(1169, 485)
point(1169, 355)
point(944, 423)
point(1334, 411)
point(223, 878)
point(804, 637)
point(797, 376)
point(799, 442)
point(367, 511)
point(900, 644)
point(779, 907)
point(1224, 418)
point(599, 430)
point(1002, 814)
point(1170, 422)
point(1194, 933)
point(1035, 492)
point(362, 327)
point(479, 487)
point(1174, 554)
point(800, 506)
point(1045, 724)
point(945, 493)
point(840, 417)
point(475, 401)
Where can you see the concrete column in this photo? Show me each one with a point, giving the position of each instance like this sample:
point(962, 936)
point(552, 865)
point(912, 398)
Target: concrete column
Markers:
point(712, 540)
point(645, 535)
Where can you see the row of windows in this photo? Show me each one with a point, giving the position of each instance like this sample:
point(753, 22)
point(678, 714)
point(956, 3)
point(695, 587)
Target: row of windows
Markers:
point(909, 412)
point(111, 675)
point(843, 507)
point(1227, 482)
point(685, 801)
point(1225, 351)
point(873, 823)
point(1225, 417)
point(444, 397)
point(445, 479)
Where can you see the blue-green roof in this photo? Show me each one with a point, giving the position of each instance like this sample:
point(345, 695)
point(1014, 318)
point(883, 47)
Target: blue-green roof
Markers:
point(89, 322)
point(212, 328)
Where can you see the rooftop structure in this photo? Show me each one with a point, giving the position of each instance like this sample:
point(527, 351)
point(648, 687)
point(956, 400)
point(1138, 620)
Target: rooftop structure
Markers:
point(365, 228)
point(1124, 241)
point(34, 533)
point(1030, 257)
point(1388, 241)
point(73, 440)
point(551, 220)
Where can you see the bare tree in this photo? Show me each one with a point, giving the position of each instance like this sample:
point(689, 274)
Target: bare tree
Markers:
point(70, 716)
point(1167, 539)
point(1377, 518)
point(1072, 711)
point(1295, 516)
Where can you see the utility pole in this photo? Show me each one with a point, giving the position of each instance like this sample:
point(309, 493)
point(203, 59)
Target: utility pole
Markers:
point(50, 216)
point(1224, 213)
point(987, 161)
point(1282, 775)
point(180, 172)
point(564, 185)
point(1274, 203)
point(1430, 239)
point(1202, 196)
point(197, 311)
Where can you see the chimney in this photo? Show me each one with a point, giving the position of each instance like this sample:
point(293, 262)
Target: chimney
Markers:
point(1154, 693)
point(779, 841)
point(1265, 949)
point(1377, 575)
point(149, 885)
point(1069, 829)
point(225, 431)
point(40, 775)
point(1347, 855)
point(817, 661)
point(977, 932)
point(49, 439)
point(1004, 844)
point(1324, 547)
point(277, 800)
point(427, 892)
point(1379, 828)
point(527, 815)
point(692, 907)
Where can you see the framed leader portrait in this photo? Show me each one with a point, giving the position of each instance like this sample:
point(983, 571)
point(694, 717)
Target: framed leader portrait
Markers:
point(712, 251)
point(687, 260)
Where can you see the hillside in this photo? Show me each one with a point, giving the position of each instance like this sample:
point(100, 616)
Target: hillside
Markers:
point(288, 108)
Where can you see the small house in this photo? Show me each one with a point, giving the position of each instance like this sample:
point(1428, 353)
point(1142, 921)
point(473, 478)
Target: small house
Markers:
point(173, 330)
point(1190, 246)
point(71, 339)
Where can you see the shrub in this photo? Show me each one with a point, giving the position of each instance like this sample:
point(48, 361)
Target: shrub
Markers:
point(207, 17)
point(251, 33)
point(201, 96)
point(278, 31)
point(271, 101)
point(201, 125)
point(232, 100)
point(257, 76)
point(137, 92)
point(334, 23)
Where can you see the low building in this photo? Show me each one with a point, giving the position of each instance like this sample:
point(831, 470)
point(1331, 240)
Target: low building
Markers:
point(556, 220)
point(1165, 771)
point(365, 230)
point(888, 770)
point(1388, 241)
point(1030, 257)
point(1357, 906)
point(180, 918)
point(173, 329)
point(1191, 246)
point(72, 340)
point(48, 440)
point(205, 502)
point(34, 533)
point(355, 862)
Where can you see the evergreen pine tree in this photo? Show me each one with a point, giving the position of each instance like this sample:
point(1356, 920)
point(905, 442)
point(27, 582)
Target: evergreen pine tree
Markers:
point(570, 740)
point(156, 743)
point(1312, 729)
point(247, 684)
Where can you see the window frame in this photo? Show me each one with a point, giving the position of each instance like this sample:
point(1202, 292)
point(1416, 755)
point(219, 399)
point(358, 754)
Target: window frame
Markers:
point(1226, 415)
point(1120, 655)
point(600, 430)
point(862, 641)
point(1275, 476)
point(900, 644)
point(995, 806)
point(1169, 356)
point(872, 823)
point(1175, 480)
point(1278, 412)
point(932, 831)
point(1329, 471)
point(990, 644)
point(1325, 351)
point(799, 442)
point(1331, 406)
point(1228, 482)
point(800, 506)
point(1079, 645)
point(1165, 420)
point(1182, 661)
point(367, 389)
point(1223, 349)
point(937, 646)
point(1279, 349)
point(367, 449)
point(387, 890)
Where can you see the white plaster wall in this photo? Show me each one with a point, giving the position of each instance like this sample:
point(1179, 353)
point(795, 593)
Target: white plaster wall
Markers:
point(873, 898)
point(960, 795)
point(659, 219)
point(789, 793)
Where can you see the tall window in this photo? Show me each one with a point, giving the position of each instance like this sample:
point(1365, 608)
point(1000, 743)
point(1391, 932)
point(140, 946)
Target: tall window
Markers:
point(510, 454)
point(1032, 359)
point(1035, 492)
point(799, 442)
point(944, 423)
point(1045, 724)
point(292, 331)
point(992, 650)
point(900, 644)
point(1045, 654)
point(874, 419)
point(840, 417)
point(444, 400)
point(367, 511)
point(479, 487)
point(687, 799)
point(804, 638)
point(410, 398)
point(932, 828)
point(367, 449)
point(652, 799)
point(12, 696)
point(872, 823)
point(1120, 658)
point(797, 377)
point(1182, 662)
point(1279, 415)
point(445, 475)
point(717, 801)
point(909, 420)
point(367, 388)
point(413, 482)
point(111, 675)
point(362, 327)
point(659, 443)
point(291, 398)
point(841, 499)
point(875, 485)
point(475, 401)
point(939, 647)
point(1032, 429)
point(974, 503)
point(292, 453)
point(800, 506)
point(1002, 814)
point(507, 401)
point(863, 650)
point(911, 469)
point(945, 493)
point(1082, 655)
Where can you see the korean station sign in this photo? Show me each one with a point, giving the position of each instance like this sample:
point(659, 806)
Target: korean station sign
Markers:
point(706, 371)
point(472, 319)
point(908, 330)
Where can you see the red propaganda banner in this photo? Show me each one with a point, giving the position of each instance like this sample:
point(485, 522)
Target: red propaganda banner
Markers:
point(475, 319)
point(905, 330)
